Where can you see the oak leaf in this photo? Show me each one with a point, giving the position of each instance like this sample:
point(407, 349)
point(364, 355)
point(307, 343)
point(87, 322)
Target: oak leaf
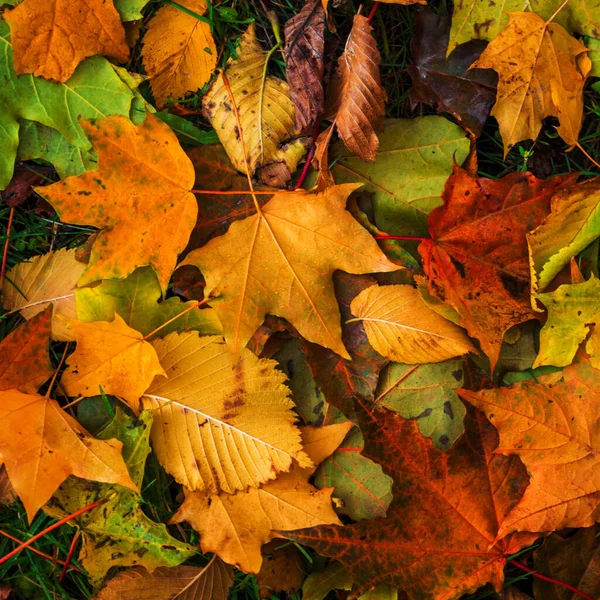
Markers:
point(46, 279)
point(401, 327)
point(236, 526)
point(141, 189)
point(541, 71)
point(555, 431)
point(51, 38)
point(211, 582)
point(179, 52)
point(280, 261)
point(111, 357)
point(477, 258)
point(438, 538)
point(304, 62)
point(211, 405)
point(267, 114)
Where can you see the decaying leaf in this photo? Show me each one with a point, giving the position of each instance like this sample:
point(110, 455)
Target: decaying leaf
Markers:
point(220, 424)
point(267, 114)
point(50, 278)
point(283, 569)
point(179, 51)
point(541, 73)
point(281, 260)
point(401, 327)
point(140, 191)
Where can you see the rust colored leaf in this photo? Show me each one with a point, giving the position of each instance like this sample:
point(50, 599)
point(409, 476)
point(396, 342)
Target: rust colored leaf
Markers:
point(51, 38)
point(477, 260)
point(466, 94)
point(438, 538)
point(304, 50)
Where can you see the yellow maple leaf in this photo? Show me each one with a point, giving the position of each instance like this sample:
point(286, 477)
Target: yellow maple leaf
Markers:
point(179, 51)
point(50, 38)
point(140, 197)
point(542, 70)
point(281, 261)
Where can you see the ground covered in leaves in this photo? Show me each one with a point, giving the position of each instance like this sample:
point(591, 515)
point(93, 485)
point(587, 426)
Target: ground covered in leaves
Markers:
point(299, 299)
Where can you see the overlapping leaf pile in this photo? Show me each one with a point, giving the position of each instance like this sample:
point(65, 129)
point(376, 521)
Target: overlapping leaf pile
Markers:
point(417, 417)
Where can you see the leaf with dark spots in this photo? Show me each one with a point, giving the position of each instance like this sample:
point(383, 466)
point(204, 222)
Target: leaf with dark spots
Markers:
point(304, 51)
point(448, 83)
point(477, 260)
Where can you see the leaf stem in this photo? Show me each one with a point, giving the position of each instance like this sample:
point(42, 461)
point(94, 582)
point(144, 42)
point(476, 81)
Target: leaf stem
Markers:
point(69, 556)
point(557, 11)
point(587, 155)
point(373, 11)
point(60, 364)
point(36, 551)
point(183, 312)
point(6, 244)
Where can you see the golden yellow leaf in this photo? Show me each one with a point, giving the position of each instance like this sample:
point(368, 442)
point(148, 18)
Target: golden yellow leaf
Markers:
point(51, 37)
point(220, 425)
point(112, 356)
point(179, 52)
point(267, 114)
point(542, 70)
point(236, 526)
point(401, 327)
point(281, 261)
point(50, 278)
point(41, 445)
point(139, 196)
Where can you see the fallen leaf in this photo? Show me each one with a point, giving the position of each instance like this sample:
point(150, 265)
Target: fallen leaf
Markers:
point(541, 73)
point(24, 359)
point(112, 358)
point(30, 287)
point(267, 113)
point(304, 68)
point(130, 10)
point(280, 261)
point(477, 259)
point(404, 197)
point(141, 190)
point(7, 493)
point(554, 430)
point(401, 327)
point(567, 230)
point(179, 52)
point(319, 583)
point(118, 533)
point(437, 540)
point(282, 570)
point(136, 300)
point(20, 188)
point(426, 393)
point(169, 583)
point(51, 38)
point(447, 84)
point(215, 406)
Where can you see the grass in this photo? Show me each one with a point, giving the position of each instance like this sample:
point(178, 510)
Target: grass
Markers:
point(35, 232)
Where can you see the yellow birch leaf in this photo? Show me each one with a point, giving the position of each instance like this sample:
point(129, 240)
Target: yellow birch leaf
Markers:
point(50, 278)
point(179, 52)
point(542, 70)
point(220, 425)
point(51, 37)
point(267, 114)
point(401, 327)
point(112, 356)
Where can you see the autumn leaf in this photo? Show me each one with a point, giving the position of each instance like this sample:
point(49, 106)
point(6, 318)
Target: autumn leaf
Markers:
point(437, 540)
point(179, 52)
point(51, 38)
point(401, 327)
point(283, 569)
point(304, 63)
point(110, 357)
point(118, 533)
point(236, 526)
point(299, 238)
point(130, 10)
point(47, 279)
point(466, 94)
point(217, 405)
point(168, 583)
point(267, 115)
point(141, 189)
point(477, 259)
point(541, 73)
point(554, 430)
point(7, 494)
